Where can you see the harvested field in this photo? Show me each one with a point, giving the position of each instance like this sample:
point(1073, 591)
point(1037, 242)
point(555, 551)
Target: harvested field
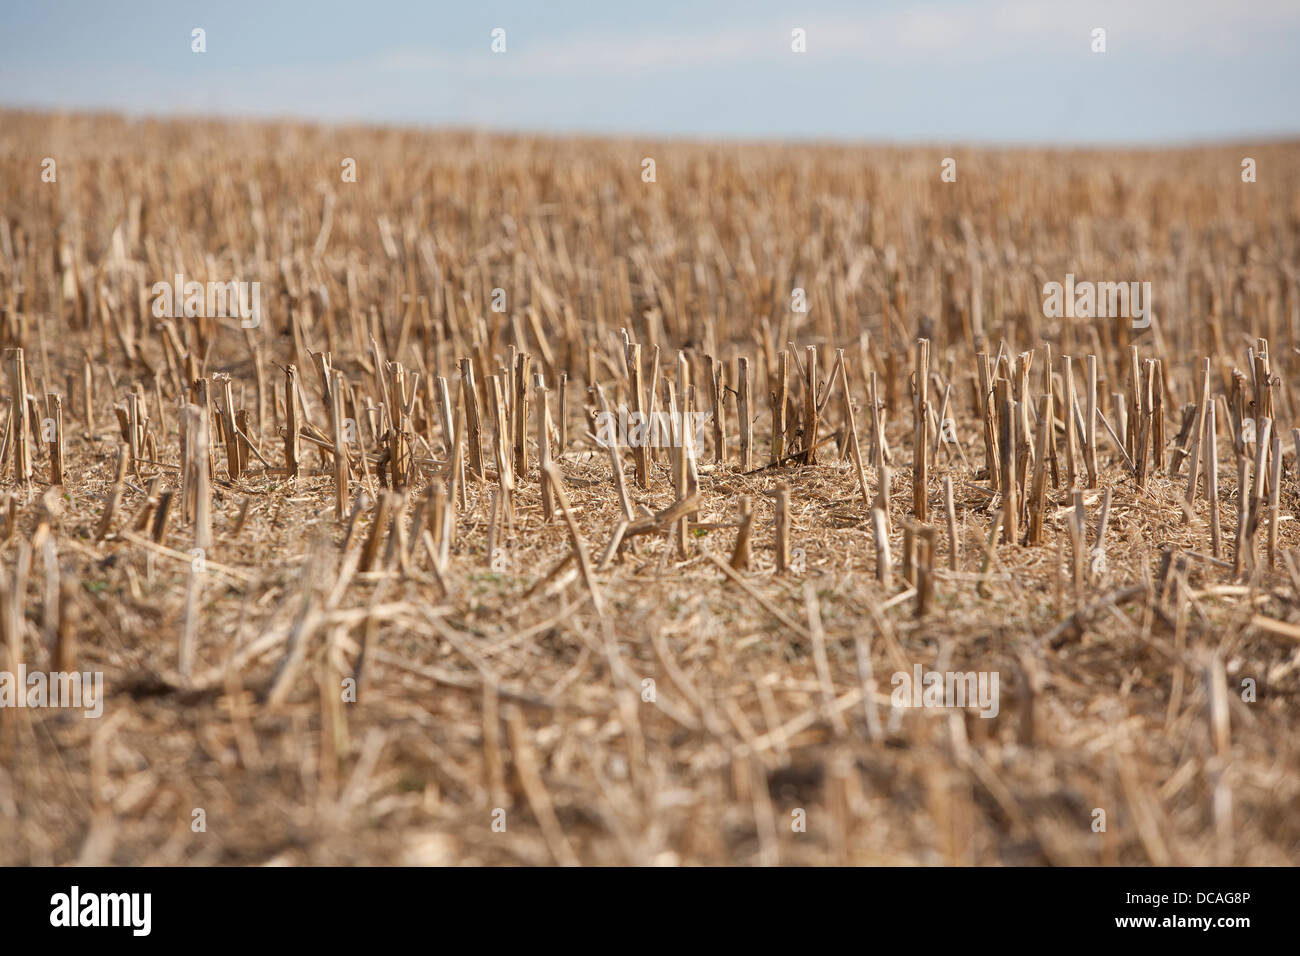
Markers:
point(365, 587)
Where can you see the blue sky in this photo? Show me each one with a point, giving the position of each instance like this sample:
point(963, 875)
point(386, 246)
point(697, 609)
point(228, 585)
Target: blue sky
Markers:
point(997, 71)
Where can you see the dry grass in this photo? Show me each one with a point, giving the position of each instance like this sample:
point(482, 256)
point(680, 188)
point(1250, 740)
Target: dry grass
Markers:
point(488, 685)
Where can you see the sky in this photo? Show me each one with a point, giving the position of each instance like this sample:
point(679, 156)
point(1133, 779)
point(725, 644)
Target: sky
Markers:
point(980, 71)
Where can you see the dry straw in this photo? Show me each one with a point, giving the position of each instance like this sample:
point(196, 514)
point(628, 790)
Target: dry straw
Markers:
point(650, 652)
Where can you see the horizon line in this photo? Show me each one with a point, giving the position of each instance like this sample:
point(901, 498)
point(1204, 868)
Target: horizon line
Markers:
point(1279, 137)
